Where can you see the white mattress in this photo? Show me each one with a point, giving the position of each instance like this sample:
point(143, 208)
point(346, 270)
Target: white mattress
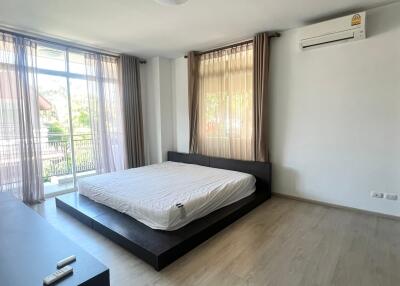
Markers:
point(150, 194)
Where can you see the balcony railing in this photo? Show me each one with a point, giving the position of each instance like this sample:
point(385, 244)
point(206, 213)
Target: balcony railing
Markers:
point(57, 155)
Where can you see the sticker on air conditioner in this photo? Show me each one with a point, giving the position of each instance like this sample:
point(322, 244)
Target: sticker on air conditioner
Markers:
point(356, 20)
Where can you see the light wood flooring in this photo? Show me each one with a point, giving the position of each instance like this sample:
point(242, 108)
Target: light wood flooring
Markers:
point(282, 242)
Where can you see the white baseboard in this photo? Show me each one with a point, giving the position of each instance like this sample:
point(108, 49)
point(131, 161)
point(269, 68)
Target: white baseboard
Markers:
point(393, 217)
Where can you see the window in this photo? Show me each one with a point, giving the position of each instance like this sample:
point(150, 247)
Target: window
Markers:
point(66, 141)
point(60, 117)
point(66, 135)
point(225, 94)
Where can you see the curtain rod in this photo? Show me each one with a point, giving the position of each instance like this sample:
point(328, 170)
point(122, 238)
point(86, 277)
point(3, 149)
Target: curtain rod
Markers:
point(273, 35)
point(61, 43)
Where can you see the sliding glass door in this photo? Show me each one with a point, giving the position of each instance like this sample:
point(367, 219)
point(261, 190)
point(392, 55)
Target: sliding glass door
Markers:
point(55, 133)
point(67, 146)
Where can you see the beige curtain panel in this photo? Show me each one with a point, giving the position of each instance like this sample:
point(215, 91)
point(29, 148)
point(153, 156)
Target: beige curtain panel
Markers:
point(261, 69)
point(193, 77)
point(20, 137)
point(225, 118)
point(106, 113)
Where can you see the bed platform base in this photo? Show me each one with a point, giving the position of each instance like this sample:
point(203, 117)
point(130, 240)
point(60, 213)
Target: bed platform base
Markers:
point(160, 248)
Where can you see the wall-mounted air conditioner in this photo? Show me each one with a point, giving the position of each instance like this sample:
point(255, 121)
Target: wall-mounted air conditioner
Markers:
point(348, 28)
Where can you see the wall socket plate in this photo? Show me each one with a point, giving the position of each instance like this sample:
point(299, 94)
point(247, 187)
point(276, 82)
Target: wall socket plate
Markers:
point(377, 195)
point(391, 196)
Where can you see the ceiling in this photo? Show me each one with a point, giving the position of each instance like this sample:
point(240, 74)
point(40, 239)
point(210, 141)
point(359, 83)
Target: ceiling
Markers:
point(145, 28)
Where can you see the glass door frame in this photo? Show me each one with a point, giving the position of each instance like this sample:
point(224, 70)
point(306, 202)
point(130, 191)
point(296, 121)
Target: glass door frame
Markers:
point(71, 128)
point(67, 75)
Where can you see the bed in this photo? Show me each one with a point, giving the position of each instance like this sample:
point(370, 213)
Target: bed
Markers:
point(160, 212)
point(169, 195)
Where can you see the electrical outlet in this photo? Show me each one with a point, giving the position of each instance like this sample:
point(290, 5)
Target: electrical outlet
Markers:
point(391, 196)
point(377, 195)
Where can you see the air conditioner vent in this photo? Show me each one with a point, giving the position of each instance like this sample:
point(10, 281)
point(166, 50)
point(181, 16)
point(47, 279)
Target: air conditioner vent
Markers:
point(343, 29)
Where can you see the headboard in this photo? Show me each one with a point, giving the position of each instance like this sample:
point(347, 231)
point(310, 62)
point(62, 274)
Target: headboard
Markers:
point(260, 170)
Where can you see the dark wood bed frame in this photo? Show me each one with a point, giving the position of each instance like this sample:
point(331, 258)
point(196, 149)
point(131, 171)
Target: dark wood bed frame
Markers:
point(160, 248)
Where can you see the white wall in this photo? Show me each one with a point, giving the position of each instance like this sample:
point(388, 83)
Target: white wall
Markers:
point(159, 131)
point(180, 85)
point(152, 117)
point(167, 107)
point(144, 97)
point(335, 116)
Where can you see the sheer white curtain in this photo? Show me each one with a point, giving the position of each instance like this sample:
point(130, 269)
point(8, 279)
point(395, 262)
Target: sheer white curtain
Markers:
point(20, 154)
point(225, 103)
point(105, 103)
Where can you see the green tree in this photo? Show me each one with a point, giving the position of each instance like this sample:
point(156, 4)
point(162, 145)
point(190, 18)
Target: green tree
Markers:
point(56, 132)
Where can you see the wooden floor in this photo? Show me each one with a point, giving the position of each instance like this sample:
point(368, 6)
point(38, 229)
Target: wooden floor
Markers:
point(282, 242)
